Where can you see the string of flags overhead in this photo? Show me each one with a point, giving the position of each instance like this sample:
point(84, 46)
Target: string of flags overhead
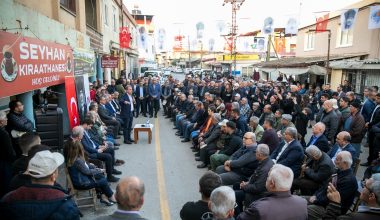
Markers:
point(347, 21)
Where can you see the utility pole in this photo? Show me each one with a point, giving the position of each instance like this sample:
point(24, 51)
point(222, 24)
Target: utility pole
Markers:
point(188, 43)
point(201, 53)
point(269, 47)
point(235, 7)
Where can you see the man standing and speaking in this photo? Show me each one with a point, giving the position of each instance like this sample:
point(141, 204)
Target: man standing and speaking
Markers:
point(126, 103)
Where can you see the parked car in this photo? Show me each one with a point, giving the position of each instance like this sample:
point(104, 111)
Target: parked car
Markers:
point(153, 73)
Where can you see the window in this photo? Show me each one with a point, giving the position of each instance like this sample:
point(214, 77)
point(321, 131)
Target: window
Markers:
point(114, 19)
point(106, 14)
point(309, 41)
point(91, 17)
point(69, 5)
point(344, 38)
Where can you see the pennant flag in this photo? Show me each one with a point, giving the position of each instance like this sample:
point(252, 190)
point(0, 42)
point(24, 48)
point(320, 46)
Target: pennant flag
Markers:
point(200, 29)
point(291, 26)
point(321, 24)
point(258, 44)
point(161, 39)
point(280, 44)
point(374, 17)
point(211, 43)
point(178, 43)
point(347, 19)
point(71, 100)
point(268, 25)
point(124, 37)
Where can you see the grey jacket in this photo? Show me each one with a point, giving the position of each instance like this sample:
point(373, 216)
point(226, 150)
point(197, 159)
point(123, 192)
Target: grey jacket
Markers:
point(331, 121)
point(119, 215)
point(278, 205)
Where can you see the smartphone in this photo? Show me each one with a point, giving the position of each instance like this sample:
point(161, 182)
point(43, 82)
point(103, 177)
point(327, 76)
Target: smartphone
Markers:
point(334, 180)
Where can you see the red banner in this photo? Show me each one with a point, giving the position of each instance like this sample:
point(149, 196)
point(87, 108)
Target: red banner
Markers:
point(178, 43)
point(110, 61)
point(280, 44)
point(71, 100)
point(124, 37)
point(29, 63)
point(321, 24)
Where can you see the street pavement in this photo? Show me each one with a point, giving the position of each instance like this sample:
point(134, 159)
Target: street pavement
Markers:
point(167, 168)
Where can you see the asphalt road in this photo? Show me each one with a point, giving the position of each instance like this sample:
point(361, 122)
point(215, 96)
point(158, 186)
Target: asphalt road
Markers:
point(167, 168)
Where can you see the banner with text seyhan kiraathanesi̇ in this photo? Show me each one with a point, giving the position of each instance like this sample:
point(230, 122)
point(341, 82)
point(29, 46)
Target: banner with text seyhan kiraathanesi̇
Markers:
point(29, 63)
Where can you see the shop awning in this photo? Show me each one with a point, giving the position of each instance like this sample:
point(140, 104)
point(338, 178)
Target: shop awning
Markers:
point(302, 62)
point(313, 69)
point(356, 64)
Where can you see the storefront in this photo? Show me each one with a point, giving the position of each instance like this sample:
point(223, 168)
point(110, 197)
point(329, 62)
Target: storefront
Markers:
point(28, 64)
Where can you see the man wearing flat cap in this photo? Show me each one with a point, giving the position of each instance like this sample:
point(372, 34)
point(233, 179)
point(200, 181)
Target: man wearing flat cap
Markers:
point(355, 125)
point(41, 199)
point(286, 122)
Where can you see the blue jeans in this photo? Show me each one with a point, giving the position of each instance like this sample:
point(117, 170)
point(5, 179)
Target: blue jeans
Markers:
point(177, 119)
point(194, 134)
point(188, 130)
point(357, 147)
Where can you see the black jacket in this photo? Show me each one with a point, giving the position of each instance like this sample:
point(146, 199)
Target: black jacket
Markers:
point(212, 134)
point(270, 138)
point(231, 144)
point(320, 170)
point(255, 188)
point(346, 185)
point(104, 113)
point(292, 156)
point(19, 122)
point(322, 143)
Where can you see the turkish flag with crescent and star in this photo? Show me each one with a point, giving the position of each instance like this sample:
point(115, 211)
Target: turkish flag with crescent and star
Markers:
point(321, 24)
point(124, 37)
point(71, 100)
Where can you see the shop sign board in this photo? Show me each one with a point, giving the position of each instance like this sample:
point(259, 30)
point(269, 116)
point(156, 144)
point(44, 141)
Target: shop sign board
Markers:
point(28, 63)
point(110, 61)
point(84, 62)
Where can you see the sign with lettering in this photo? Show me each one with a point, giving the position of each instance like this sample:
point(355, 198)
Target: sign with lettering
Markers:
point(109, 61)
point(28, 63)
point(84, 62)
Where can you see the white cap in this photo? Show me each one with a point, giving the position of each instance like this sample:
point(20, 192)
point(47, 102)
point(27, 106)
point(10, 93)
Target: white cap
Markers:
point(44, 163)
point(223, 123)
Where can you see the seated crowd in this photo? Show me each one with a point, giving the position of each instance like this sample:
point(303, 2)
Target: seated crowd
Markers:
point(251, 135)
point(242, 131)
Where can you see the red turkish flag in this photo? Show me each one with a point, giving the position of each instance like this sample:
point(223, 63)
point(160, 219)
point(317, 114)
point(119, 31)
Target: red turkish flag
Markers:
point(71, 100)
point(321, 24)
point(124, 37)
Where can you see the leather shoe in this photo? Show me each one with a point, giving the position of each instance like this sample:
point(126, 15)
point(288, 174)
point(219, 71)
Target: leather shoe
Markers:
point(185, 140)
point(118, 137)
point(120, 161)
point(116, 172)
point(116, 148)
point(197, 154)
point(112, 179)
point(366, 164)
point(131, 140)
point(200, 166)
point(194, 150)
point(107, 203)
point(197, 159)
point(127, 142)
point(116, 144)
